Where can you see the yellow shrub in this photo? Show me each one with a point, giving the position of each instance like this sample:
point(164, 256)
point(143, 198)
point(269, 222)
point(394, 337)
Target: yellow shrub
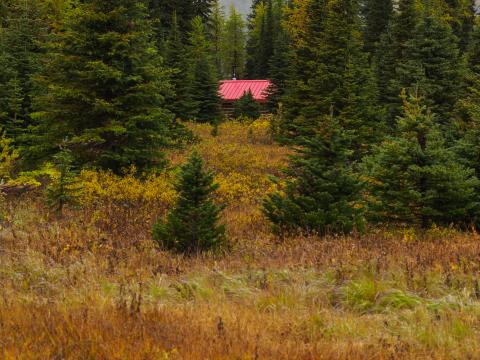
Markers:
point(8, 156)
point(236, 188)
point(260, 131)
point(106, 186)
point(241, 170)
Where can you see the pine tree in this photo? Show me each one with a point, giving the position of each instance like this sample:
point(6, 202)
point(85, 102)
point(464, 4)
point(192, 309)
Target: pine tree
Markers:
point(63, 189)
point(247, 107)
point(191, 226)
point(324, 195)
point(415, 178)
point(103, 89)
point(204, 83)
point(234, 45)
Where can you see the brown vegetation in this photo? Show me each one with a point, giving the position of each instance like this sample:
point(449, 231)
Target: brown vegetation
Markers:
point(93, 285)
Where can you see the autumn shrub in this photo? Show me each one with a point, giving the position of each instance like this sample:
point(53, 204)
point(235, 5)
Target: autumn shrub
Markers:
point(107, 187)
point(262, 130)
point(8, 156)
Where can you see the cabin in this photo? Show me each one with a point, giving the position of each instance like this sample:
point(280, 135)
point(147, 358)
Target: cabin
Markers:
point(232, 90)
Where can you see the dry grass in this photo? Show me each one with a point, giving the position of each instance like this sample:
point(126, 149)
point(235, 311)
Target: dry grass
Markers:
point(93, 285)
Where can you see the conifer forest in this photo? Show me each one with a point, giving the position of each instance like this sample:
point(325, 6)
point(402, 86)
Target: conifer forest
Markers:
point(180, 179)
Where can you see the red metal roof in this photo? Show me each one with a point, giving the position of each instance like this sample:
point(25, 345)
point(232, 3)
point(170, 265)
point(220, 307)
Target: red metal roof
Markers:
point(232, 90)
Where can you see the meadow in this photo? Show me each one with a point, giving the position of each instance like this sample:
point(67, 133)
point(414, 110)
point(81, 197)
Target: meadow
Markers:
point(93, 285)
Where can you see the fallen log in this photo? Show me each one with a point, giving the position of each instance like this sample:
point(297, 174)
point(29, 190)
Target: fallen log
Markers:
point(15, 189)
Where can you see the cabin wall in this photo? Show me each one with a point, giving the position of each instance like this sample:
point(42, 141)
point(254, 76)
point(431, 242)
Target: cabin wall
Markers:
point(229, 106)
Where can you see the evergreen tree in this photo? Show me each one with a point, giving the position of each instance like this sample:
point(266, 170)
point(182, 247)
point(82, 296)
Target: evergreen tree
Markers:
point(384, 64)
point(234, 45)
point(462, 19)
point(404, 23)
point(247, 107)
point(332, 74)
point(204, 84)
point(279, 68)
point(191, 226)
point(415, 178)
point(468, 110)
point(263, 28)
point(217, 36)
point(324, 195)
point(390, 53)
point(176, 59)
point(161, 11)
point(377, 14)
point(21, 32)
point(103, 89)
point(432, 61)
point(63, 189)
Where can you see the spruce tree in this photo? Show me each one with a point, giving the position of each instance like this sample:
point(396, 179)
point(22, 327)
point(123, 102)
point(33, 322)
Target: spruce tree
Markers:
point(432, 61)
point(384, 63)
point(247, 107)
point(217, 37)
point(161, 11)
point(175, 51)
point(468, 111)
point(205, 86)
point(390, 53)
point(332, 74)
point(22, 31)
point(234, 45)
point(322, 194)
point(263, 27)
point(377, 14)
point(461, 14)
point(103, 89)
point(415, 178)
point(63, 189)
point(279, 68)
point(192, 225)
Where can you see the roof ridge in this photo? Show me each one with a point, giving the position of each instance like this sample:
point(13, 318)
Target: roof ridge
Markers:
point(245, 80)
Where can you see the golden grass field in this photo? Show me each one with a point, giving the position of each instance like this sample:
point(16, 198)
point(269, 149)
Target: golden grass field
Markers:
point(92, 285)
